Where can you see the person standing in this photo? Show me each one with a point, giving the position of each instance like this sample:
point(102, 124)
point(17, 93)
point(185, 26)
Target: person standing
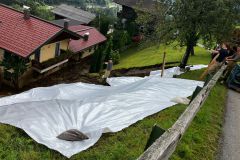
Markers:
point(218, 60)
point(231, 61)
point(235, 57)
point(213, 53)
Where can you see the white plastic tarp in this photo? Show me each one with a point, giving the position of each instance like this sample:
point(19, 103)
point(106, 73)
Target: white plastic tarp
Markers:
point(169, 73)
point(44, 113)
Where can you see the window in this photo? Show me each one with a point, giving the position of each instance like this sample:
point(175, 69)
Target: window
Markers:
point(37, 55)
point(57, 51)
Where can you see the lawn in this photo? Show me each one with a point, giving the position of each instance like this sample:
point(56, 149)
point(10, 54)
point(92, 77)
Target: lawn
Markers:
point(135, 57)
point(199, 143)
point(201, 140)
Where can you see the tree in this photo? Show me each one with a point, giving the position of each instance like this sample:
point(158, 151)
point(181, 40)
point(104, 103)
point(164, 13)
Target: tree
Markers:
point(37, 8)
point(108, 49)
point(95, 61)
point(132, 28)
point(104, 25)
point(98, 59)
point(103, 21)
point(120, 39)
point(187, 21)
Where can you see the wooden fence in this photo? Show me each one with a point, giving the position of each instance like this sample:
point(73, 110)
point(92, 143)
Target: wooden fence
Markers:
point(163, 147)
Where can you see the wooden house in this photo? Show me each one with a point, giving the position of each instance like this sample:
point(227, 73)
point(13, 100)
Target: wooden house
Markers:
point(40, 45)
point(130, 8)
point(74, 15)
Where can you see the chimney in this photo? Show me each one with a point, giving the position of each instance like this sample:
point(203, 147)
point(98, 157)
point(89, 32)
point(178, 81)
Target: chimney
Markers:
point(86, 36)
point(26, 11)
point(66, 23)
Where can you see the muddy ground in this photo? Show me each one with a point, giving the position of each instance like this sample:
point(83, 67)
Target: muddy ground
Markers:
point(78, 72)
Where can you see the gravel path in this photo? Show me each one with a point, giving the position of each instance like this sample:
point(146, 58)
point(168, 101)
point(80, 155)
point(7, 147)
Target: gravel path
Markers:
point(230, 149)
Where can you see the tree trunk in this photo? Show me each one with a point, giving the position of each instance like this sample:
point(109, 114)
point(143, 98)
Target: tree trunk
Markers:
point(192, 52)
point(186, 56)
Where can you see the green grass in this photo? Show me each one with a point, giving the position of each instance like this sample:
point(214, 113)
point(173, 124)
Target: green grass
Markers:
point(201, 140)
point(135, 57)
point(199, 143)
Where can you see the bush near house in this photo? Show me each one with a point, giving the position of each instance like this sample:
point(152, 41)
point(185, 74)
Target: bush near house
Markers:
point(104, 53)
point(14, 67)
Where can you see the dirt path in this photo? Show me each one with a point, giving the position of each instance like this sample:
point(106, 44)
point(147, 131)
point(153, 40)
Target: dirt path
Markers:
point(230, 145)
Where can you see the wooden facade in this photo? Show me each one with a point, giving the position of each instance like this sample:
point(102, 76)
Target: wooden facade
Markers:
point(45, 53)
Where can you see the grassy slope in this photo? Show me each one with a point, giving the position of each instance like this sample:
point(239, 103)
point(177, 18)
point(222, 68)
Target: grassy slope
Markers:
point(153, 55)
point(200, 140)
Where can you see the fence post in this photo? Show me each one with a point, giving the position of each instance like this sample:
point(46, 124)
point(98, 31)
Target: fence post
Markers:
point(163, 64)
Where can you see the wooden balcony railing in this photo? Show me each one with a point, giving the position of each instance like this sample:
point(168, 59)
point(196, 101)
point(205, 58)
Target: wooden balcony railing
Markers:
point(51, 63)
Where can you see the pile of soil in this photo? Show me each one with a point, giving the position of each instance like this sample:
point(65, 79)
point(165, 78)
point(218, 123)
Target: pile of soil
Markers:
point(78, 72)
point(141, 71)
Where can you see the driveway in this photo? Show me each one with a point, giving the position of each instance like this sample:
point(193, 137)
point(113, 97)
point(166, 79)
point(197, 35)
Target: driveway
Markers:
point(230, 145)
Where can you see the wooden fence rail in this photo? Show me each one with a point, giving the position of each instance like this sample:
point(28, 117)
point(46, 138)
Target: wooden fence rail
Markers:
point(163, 147)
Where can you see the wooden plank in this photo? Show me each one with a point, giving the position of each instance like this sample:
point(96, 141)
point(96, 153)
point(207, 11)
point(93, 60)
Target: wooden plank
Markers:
point(163, 147)
point(163, 64)
point(51, 67)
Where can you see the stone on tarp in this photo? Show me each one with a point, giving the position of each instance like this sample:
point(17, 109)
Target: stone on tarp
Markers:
point(72, 135)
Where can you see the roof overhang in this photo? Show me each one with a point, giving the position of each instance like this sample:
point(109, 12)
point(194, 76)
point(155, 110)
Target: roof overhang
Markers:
point(72, 35)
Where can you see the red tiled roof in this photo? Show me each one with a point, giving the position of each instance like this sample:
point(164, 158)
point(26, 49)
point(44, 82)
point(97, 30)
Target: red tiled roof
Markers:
point(95, 37)
point(21, 36)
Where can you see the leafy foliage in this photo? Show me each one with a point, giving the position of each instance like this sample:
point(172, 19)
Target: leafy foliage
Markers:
point(108, 49)
point(111, 54)
point(187, 21)
point(120, 39)
point(15, 63)
point(103, 22)
point(38, 9)
point(115, 56)
point(97, 60)
point(103, 54)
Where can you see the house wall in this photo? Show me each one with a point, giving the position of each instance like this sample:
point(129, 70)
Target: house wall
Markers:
point(49, 51)
point(64, 44)
point(87, 52)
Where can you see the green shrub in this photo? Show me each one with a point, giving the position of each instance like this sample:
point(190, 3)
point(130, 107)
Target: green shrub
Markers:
point(115, 56)
point(120, 39)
